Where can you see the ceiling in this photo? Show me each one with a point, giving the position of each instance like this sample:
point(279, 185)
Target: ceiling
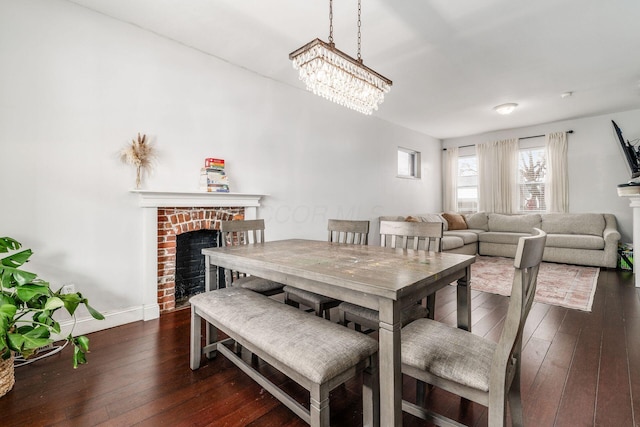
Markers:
point(451, 61)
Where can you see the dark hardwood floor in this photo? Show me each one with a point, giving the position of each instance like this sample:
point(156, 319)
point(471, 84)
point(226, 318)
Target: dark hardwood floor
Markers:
point(580, 369)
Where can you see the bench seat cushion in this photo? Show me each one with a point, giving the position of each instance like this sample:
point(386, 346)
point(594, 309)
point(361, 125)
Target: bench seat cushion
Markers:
point(315, 348)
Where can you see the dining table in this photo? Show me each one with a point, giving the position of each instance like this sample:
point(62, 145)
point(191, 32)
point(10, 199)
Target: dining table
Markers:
point(379, 278)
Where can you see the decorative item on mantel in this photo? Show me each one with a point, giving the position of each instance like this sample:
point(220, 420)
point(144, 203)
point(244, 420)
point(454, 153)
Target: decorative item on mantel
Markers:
point(213, 178)
point(139, 154)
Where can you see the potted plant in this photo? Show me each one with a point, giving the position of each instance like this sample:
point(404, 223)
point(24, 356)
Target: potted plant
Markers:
point(27, 305)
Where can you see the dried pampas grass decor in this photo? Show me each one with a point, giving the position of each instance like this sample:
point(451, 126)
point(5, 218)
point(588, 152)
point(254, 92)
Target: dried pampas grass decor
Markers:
point(140, 154)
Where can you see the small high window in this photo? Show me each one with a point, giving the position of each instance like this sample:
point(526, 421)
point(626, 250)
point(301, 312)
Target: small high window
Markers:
point(408, 163)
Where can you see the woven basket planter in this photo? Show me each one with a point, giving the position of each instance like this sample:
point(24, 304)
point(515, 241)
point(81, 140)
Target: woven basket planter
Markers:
point(7, 378)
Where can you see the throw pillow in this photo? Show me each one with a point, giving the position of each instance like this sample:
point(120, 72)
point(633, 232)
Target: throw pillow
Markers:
point(456, 221)
point(411, 219)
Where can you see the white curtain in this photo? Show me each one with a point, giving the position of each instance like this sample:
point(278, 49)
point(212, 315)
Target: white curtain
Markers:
point(497, 176)
point(450, 180)
point(557, 179)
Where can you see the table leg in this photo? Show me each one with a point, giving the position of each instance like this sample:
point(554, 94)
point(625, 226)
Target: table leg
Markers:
point(210, 284)
point(390, 364)
point(464, 300)
point(209, 275)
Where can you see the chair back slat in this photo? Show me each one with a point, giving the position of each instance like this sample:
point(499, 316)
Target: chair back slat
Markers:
point(411, 235)
point(348, 231)
point(242, 232)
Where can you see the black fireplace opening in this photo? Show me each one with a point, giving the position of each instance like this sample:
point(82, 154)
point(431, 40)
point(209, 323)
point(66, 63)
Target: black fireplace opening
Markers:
point(190, 263)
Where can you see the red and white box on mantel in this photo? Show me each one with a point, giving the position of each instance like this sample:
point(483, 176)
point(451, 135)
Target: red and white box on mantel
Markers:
point(211, 162)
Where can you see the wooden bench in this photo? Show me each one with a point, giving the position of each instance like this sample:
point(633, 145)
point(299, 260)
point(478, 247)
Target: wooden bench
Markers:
point(314, 352)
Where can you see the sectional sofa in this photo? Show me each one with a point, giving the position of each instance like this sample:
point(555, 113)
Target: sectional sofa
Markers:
point(580, 238)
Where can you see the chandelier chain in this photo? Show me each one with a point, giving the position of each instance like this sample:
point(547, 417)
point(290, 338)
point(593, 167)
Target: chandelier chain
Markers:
point(359, 33)
point(330, 21)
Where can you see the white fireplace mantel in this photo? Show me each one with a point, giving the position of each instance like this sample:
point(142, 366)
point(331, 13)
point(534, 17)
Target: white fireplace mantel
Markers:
point(150, 201)
point(156, 198)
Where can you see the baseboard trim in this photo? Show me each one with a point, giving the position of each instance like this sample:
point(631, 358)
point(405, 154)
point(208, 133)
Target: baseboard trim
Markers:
point(87, 324)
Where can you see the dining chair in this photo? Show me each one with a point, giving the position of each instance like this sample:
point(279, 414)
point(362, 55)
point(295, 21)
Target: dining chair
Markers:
point(246, 232)
point(398, 235)
point(339, 231)
point(471, 366)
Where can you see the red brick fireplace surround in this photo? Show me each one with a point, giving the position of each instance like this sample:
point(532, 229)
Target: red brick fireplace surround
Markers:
point(166, 214)
point(173, 221)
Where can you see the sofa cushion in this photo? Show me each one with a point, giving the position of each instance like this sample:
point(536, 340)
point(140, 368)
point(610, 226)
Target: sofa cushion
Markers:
point(466, 236)
point(514, 223)
point(501, 237)
point(575, 241)
point(452, 242)
point(478, 221)
point(584, 223)
point(455, 221)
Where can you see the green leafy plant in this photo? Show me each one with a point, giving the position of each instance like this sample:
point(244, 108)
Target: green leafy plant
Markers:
point(27, 305)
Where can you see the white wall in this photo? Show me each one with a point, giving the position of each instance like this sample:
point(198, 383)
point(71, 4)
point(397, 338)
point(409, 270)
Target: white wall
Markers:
point(596, 161)
point(76, 86)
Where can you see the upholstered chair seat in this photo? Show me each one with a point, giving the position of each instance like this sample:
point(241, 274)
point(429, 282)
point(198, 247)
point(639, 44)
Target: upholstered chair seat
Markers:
point(449, 353)
point(259, 285)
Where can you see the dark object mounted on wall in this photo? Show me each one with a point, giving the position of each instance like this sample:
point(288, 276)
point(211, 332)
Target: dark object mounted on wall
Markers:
point(630, 153)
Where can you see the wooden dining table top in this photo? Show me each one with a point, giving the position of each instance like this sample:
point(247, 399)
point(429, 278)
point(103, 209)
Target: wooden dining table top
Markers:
point(379, 271)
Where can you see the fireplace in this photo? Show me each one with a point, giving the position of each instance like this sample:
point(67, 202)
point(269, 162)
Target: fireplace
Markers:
point(195, 228)
point(169, 214)
point(190, 264)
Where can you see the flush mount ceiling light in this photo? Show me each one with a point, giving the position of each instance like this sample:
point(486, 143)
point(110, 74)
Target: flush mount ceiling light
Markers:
point(505, 108)
point(336, 76)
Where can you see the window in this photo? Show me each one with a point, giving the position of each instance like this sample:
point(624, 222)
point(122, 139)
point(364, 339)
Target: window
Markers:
point(408, 163)
point(532, 171)
point(467, 191)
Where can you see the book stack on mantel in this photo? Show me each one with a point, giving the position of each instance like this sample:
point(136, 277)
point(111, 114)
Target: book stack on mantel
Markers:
point(631, 188)
point(213, 178)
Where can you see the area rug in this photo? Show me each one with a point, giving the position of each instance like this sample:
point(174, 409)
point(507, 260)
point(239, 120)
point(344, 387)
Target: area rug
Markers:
point(570, 286)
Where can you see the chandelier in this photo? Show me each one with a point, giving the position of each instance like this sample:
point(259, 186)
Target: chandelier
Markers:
point(336, 76)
